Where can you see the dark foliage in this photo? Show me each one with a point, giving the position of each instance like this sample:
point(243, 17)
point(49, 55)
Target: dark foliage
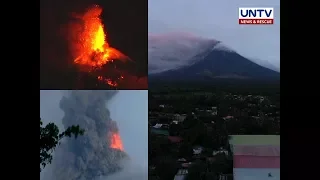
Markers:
point(50, 137)
point(254, 108)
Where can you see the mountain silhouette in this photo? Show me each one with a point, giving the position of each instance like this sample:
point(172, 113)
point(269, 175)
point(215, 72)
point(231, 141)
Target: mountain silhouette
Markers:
point(217, 62)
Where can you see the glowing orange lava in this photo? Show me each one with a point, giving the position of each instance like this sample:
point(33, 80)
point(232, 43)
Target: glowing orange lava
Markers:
point(109, 81)
point(92, 48)
point(116, 142)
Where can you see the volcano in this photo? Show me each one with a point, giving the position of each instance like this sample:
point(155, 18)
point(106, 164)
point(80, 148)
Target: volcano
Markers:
point(99, 151)
point(95, 57)
point(89, 61)
point(201, 60)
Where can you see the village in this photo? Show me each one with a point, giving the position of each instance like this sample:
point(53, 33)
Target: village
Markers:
point(190, 135)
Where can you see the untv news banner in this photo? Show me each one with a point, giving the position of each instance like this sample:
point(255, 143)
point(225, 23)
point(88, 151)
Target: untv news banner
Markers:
point(256, 15)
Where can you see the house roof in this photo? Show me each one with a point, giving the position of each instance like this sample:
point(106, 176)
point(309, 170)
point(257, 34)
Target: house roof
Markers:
point(256, 173)
point(261, 150)
point(175, 139)
point(159, 131)
point(179, 177)
point(254, 140)
point(256, 162)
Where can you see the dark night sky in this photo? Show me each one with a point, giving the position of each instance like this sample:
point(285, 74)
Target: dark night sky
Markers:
point(125, 22)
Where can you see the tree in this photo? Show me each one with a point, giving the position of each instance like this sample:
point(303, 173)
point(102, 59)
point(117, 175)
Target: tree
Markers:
point(50, 137)
point(185, 150)
point(166, 168)
point(197, 170)
point(174, 129)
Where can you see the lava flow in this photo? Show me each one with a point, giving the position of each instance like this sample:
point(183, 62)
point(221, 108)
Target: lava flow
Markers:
point(116, 142)
point(89, 45)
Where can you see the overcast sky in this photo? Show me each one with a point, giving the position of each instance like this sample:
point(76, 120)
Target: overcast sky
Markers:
point(218, 19)
point(128, 108)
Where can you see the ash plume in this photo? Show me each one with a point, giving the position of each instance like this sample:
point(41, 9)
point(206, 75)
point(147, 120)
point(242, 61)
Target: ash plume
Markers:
point(89, 156)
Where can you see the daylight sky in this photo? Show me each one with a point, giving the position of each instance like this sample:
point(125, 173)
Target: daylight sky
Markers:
point(128, 108)
point(218, 19)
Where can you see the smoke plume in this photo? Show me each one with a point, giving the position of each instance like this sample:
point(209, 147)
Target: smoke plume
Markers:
point(92, 155)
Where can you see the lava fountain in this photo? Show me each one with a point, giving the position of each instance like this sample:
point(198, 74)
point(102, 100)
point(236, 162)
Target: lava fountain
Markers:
point(89, 45)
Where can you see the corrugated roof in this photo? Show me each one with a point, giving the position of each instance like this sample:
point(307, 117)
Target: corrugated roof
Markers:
point(267, 150)
point(160, 131)
point(175, 139)
point(256, 162)
point(179, 177)
point(254, 140)
point(254, 174)
point(181, 174)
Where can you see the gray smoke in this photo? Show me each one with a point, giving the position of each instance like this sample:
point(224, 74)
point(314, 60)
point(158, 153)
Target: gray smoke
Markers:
point(88, 157)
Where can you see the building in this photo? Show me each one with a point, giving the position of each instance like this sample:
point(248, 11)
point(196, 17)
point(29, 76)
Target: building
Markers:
point(181, 174)
point(251, 140)
point(160, 132)
point(255, 157)
point(180, 117)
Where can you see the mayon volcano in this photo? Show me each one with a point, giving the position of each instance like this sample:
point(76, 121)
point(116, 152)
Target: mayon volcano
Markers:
point(99, 154)
point(181, 56)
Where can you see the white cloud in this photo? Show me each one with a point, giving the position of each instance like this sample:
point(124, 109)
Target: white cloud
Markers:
point(218, 19)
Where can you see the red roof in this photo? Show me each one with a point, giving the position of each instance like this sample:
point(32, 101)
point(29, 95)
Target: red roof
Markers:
point(175, 139)
point(256, 162)
point(242, 150)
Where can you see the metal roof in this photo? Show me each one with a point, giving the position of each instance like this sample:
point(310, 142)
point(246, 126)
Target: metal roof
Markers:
point(254, 140)
point(254, 174)
point(179, 177)
point(256, 162)
point(160, 131)
point(181, 174)
point(260, 150)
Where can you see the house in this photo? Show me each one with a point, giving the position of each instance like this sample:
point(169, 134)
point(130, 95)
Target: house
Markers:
point(210, 159)
point(256, 157)
point(160, 132)
point(186, 165)
point(251, 140)
point(175, 139)
point(157, 126)
point(182, 160)
point(165, 126)
point(225, 176)
point(175, 122)
point(214, 113)
point(180, 117)
point(220, 151)
point(197, 150)
point(161, 106)
point(227, 117)
point(181, 174)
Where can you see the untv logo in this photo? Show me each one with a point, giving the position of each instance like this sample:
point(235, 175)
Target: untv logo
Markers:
point(256, 15)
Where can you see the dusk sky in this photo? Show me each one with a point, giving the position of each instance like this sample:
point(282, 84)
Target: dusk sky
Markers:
point(218, 19)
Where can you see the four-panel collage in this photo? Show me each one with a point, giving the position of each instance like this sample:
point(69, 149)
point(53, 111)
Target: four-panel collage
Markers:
point(160, 90)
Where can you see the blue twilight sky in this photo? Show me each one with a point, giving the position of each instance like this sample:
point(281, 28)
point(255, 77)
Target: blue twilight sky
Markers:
point(129, 108)
point(218, 19)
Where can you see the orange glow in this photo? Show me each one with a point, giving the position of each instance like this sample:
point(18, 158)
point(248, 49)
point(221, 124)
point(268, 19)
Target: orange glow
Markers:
point(110, 82)
point(89, 44)
point(116, 142)
point(91, 52)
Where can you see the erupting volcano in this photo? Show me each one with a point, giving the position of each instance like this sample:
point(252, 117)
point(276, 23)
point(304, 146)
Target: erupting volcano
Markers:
point(90, 48)
point(100, 150)
point(93, 48)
